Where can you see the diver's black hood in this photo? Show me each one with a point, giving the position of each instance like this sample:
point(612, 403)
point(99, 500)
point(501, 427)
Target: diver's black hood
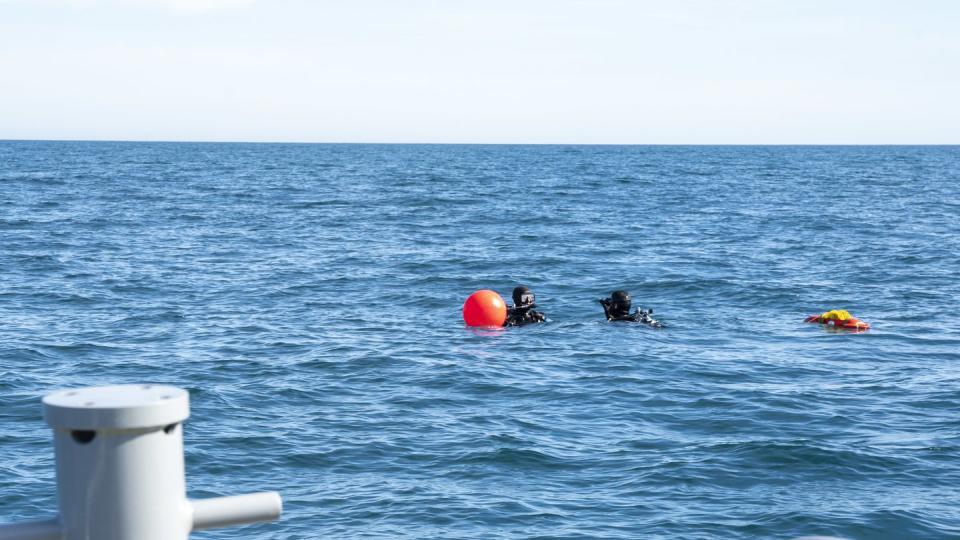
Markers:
point(518, 297)
point(620, 302)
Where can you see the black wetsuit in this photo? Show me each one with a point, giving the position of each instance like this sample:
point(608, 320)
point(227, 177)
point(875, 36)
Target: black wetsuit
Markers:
point(640, 316)
point(524, 315)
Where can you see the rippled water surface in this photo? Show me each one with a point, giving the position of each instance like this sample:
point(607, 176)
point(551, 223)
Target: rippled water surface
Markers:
point(309, 298)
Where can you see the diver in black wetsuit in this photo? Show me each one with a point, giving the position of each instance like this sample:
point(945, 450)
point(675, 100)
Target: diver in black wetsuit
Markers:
point(521, 312)
point(617, 308)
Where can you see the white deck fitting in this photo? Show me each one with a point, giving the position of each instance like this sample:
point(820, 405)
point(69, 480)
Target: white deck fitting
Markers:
point(120, 474)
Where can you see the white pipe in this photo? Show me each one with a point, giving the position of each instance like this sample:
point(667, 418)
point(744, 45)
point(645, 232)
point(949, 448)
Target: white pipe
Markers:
point(236, 510)
point(32, 530)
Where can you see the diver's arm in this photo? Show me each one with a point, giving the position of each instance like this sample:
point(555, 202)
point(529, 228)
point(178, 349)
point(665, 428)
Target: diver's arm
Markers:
point(644, 317)
point(510, 320)
point(605, 302)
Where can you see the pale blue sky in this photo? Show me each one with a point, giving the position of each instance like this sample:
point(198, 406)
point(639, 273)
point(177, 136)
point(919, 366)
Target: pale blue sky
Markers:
point(523, 71)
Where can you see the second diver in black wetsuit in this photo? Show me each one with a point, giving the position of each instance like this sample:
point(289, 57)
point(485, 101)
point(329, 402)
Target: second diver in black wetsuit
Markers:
point(522, 312)
point(617, 308)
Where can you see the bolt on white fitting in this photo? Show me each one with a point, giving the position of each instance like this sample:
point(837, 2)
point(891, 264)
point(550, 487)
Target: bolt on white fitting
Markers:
point(120, 472)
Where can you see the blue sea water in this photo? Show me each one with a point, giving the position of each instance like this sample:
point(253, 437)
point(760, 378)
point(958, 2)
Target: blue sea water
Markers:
point(309, 298)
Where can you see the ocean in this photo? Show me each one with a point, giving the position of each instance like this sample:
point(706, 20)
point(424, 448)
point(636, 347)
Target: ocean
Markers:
point(308, 296)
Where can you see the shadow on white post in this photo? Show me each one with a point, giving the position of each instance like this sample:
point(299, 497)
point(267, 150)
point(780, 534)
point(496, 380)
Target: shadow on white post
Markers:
point(120, 475)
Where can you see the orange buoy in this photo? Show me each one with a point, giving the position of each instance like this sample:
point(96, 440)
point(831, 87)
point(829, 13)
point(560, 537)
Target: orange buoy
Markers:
point(485, 308)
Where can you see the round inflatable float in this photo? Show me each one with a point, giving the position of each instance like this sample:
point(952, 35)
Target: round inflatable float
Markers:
point(485, 309)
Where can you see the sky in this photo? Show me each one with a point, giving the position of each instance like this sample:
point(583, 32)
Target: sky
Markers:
point(482, 71)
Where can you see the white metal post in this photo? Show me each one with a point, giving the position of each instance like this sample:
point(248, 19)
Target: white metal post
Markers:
point(120, 473)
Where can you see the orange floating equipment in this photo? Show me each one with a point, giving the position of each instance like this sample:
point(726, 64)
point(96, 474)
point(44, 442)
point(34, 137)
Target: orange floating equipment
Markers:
point(839, 318)
point(485, 309)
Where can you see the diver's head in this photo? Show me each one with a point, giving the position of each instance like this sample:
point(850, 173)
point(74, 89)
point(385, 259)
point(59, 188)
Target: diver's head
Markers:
point(523, 297)
point(620, 302)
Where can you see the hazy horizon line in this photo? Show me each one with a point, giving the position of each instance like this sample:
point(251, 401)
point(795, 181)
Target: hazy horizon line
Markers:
point(433, 143)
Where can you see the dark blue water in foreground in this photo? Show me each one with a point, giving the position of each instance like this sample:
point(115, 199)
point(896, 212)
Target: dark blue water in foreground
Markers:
point(309, 298)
